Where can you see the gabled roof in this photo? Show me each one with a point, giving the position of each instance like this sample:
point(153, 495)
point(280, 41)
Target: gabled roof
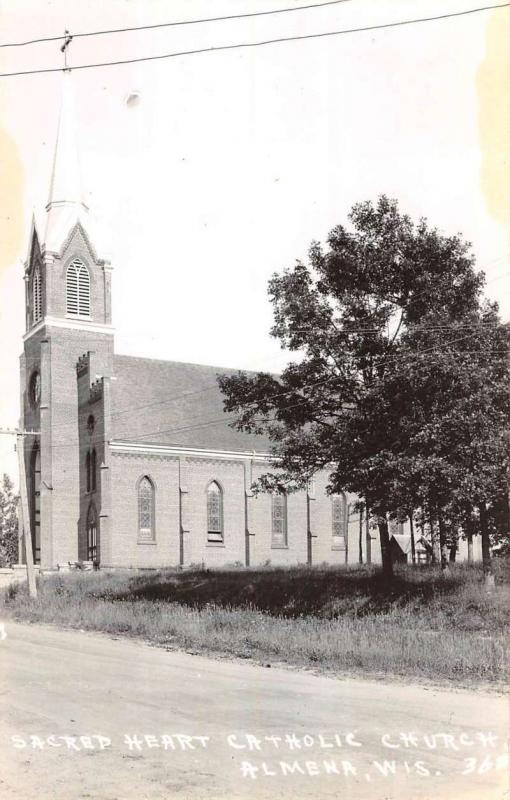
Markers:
point(403, 541)
point(170, 402)
point(34, 246)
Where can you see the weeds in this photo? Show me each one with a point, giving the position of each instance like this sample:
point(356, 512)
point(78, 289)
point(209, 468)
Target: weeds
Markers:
point(343, 620)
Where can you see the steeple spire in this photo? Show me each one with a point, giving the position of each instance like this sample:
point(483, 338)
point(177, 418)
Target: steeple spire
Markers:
point(66, 204)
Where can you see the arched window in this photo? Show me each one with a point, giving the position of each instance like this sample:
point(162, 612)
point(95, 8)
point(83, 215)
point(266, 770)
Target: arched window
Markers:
point(35, 502)
point(214, 513)
point(339, 521)
point(93, 471)
point(36, 296)
point(78, 289)
point(92, 533)
point(279, 519)
point(87, 469)
point(146, 510)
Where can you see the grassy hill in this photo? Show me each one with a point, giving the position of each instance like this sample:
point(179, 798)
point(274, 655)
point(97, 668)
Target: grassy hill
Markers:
point(340, 620)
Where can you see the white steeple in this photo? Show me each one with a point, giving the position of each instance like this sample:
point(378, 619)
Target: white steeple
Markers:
point(66, 204)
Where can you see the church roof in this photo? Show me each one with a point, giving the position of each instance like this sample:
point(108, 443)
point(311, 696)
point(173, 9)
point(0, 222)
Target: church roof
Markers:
point(170, 402)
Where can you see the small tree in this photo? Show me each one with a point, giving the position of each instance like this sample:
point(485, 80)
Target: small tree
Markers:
point(8, 523)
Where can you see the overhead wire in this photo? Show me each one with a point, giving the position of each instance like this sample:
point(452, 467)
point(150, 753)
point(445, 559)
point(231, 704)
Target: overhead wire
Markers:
point(383, 360)
point(221, 420)
point(214, 386)
point(178, 23)
point(263, 43)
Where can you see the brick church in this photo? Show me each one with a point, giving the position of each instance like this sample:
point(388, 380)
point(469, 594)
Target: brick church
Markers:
point(136, 464)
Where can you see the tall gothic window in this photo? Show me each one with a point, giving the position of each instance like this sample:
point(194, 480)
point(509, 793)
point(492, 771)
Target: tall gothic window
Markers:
point(93, 470)
point(92, 533)
point(146, 510)
point(279, 519)
point(214, 513)
point(78, 289)
point(36, 296)
point(339, 520)
point(87, 470)
point(35, 504)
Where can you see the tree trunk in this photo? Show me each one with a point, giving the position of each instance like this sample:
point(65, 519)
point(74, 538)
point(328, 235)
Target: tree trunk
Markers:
point(469, 537)
point(413, 544)
point(384, 536)
point(454, 545)
point(368, 538)
point(486, 547)
point(443, 549)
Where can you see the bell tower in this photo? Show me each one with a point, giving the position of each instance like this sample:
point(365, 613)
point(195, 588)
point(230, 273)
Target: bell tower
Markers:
point(68, 313)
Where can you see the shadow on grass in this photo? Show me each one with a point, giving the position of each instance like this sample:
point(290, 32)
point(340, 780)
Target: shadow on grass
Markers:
point(323, 592)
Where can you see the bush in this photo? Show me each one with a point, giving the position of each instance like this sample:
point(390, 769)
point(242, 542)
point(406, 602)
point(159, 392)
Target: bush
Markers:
point(8, 523)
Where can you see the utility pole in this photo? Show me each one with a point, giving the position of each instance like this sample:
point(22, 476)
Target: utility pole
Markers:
point(27, 532)
point(67, 41)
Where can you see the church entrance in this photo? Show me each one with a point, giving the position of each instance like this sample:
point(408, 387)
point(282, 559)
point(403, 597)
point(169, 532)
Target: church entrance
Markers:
point(35, 502)
point(92, 537)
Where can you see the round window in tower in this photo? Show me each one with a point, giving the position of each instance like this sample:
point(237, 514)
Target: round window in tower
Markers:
point(35, 389)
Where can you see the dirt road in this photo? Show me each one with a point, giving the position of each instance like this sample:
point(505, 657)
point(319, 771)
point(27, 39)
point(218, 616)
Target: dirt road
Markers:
point(86, 716)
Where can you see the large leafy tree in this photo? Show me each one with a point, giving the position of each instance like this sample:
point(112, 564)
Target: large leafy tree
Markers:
point(8, 523)
point(452, 388)
point(376, 321)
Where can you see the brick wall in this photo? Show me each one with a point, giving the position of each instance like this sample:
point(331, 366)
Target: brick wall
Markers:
point(126, 550)
point(181, 516)
point(53, 351)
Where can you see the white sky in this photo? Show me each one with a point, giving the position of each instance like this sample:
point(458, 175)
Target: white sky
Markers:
point(232, 162)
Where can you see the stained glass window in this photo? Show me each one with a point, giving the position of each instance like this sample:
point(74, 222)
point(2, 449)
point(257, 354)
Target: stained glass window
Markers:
point(339, 519)
point(279, 519)
point(78, 289)
point(92, 534)
point(214, 513)
point(145, 509)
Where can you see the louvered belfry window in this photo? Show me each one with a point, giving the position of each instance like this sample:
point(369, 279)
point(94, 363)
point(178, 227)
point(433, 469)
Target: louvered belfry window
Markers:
point(279, 519)
point(214, 513)
point(78, 289)
point(146, 515)
point(339, 519)
point(36, 296)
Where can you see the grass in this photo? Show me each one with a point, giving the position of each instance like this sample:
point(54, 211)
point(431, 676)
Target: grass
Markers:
point(341, 620)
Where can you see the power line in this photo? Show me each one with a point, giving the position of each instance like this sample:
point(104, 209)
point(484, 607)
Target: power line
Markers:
point(381, 361)
point(214, 386)
point(179, 23)
point(244, 45)
point(412, 328)
point(303, 401)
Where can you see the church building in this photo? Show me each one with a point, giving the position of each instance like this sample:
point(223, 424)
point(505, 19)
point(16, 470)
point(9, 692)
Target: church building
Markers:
point(136, 464)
